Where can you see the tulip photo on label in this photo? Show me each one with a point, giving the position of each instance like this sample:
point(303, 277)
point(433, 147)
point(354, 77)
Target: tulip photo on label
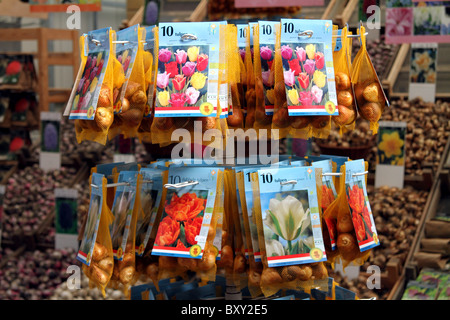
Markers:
point(287, 216)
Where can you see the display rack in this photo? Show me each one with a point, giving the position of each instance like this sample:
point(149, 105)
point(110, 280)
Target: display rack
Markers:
point(48, 95)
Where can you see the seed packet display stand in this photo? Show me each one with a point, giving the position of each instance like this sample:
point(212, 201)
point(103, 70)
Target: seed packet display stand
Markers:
point(45, 58)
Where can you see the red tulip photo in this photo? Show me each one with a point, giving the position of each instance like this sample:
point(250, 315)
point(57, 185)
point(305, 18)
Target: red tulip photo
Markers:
point(294, 65)
point(185, 207)
point(168, 232)
point(171, 68)
point(202, 62)
point(192, 229)
point(178, 82)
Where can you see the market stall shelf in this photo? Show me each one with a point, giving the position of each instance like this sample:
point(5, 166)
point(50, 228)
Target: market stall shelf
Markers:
point(47, 94)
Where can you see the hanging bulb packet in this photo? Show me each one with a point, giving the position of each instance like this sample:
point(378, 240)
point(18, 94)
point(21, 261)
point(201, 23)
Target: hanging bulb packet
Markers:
point(91, 102)
point(95, 251)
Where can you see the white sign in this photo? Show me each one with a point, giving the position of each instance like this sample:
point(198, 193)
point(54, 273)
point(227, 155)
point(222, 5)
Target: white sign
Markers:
point(423, 71)
point(66, 220)
point(390, 168)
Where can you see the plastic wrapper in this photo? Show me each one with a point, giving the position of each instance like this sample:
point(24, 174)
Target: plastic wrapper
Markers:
point(126, 209)
point(150, 69)
point(132, 97)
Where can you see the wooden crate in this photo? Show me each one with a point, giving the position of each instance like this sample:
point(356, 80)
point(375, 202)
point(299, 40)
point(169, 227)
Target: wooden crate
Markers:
point(45, 58)
point(389, 81)
point(340, 11)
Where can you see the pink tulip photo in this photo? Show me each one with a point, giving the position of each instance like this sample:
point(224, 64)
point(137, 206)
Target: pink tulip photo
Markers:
point(317, 94)
point(162, 80)
point(286, 52)
point(192, 95)
point(189, 68)
point(310, 66)
point(289, 78)
point(164, 55)
point(301, 53)
point(181, 56)
point(266, 53)
point(306, 98)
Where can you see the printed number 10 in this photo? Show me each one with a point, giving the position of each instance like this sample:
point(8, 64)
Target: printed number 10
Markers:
point(267, 178)
point(167, 31)
point(267, 29)
point(288, 27)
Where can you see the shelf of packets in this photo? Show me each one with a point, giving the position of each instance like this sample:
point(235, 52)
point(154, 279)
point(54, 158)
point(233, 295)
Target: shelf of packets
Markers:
point(265, 77)
point(265, 227)
point(431, 284)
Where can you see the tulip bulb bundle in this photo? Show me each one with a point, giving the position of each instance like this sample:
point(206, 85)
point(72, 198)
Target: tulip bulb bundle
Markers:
point(369, 94)
point(355, 229)
point(345, 95)
point(186, 231)
point(287, 216)
point(91, 101)
point(96, 247)
point(130, 95)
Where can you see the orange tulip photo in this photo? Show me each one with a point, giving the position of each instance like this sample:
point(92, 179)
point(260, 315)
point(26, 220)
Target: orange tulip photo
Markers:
point(182, 219)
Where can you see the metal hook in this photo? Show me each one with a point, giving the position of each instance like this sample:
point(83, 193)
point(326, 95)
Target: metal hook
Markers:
point(188, 36)
point(122, 42)
point(181, 184)
point(360, 174)
point(110, 185)
point(288, 182)
point(329, 174)
point(306, 33)
point(97, 42)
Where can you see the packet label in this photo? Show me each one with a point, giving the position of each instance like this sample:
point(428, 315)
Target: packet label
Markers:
point(356, 192)
point(267, 55)
point(149, 46)
point(93, 219)
point(251, 213)
point(290, 216)
point(188, 69)
point(122, 210)
point(187, 214)
point(84, 104)
point(151, 193)
point(307, 57)
point(126, 50)
point(329, 194)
